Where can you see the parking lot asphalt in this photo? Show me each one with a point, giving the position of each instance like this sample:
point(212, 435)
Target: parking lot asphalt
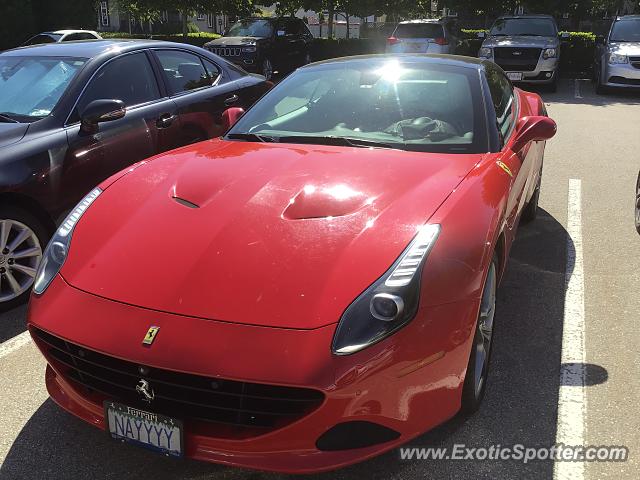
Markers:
point(598, 143)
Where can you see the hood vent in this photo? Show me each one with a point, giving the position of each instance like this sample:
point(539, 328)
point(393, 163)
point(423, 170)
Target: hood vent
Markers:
point(185, 203)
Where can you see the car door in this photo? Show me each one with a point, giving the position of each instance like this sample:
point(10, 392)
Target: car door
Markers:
point(519, 165)
point(200, 92)
point(148, 127)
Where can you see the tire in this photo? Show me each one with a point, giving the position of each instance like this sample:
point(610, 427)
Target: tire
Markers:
point(553, 86)
point(530, 212)
point(20, 233)
point(637, 212)
point(267, 68)
point(475, 381)
point(600, 89)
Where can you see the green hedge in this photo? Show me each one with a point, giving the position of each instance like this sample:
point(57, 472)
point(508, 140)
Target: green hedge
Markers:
point(198, 39)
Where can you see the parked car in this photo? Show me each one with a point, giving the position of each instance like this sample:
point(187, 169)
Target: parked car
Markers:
point(314, 288)
point(62, 36)
point(617, 56)
point(527, 47)
point(424, 36)
point(72, 114)
point(265, 45)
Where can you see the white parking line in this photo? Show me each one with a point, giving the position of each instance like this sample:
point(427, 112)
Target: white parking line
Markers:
point(572, 401)
point(14, 344)
point(578, 91)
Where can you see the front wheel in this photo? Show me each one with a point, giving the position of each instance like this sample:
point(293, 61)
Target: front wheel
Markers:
point(22, 240)
point(475, 381)
point(267, 68)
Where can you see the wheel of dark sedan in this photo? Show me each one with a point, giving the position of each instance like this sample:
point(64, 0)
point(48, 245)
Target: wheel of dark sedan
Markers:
point(267, 68)
point(638, 204)
point(475, 382)
point(22, 240)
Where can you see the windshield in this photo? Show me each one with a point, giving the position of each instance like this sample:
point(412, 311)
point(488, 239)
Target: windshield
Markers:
point(626, 31)
point(536, 27)
point(250, 28)
point(418, 30)
point(411, 106)
point(43, 38)
point(30, 87)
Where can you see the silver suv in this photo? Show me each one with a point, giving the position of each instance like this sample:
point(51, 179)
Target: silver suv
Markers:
point(617, 59)
point(424, 36)
point(527, 47)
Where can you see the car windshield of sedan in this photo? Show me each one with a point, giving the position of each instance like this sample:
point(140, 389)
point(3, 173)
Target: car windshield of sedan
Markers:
point(30, 87)
point(250, 28)
point(626, 31)
point(532, 27)
point(411, 106)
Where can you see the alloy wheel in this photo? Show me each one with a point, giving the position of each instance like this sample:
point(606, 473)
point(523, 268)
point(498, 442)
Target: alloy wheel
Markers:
point(20, 254)
point(267, 69)
point(484, 334)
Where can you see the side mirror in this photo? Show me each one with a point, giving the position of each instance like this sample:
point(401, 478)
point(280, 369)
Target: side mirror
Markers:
point(565, 35)
point(100, 111)
point(599, 39)
point(482, 34)
point(533, 129)
point(230, 116)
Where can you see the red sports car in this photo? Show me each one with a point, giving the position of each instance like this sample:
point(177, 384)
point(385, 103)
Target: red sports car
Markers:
point(314, 288)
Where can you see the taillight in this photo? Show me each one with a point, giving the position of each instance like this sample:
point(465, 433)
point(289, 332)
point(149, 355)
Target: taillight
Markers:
point(392, 41)
point(442, 41)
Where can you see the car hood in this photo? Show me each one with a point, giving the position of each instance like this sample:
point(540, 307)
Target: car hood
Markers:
point(625, 48)
point(12, 132)
point(521, 41)
point(276, 235)
point(234, 41)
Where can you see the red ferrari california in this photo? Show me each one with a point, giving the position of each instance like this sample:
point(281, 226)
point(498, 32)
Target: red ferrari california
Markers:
point(314, 288)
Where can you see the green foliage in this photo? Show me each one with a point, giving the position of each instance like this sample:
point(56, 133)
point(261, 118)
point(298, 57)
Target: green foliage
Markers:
point(198, 39)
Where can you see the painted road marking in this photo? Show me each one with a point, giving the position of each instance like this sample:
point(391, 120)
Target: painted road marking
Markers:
point(14, 344)
point(572, 401)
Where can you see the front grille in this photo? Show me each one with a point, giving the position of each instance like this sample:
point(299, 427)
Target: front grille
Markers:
point(181, 395)
point(634, 61)
point(226, 51)
point(513, 59)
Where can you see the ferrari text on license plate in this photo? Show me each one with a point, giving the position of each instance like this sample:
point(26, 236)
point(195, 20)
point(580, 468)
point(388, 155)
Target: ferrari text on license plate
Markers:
point(150, 430)
point(514, 76)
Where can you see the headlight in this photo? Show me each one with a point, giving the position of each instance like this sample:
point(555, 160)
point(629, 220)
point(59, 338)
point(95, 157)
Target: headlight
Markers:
point(549, 53)
point(56, 252)
point(390, 303)
point(249, 49)
point(485, 52)
point(617, 58)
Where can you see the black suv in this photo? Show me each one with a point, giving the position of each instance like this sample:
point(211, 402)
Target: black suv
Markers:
point(264, 45)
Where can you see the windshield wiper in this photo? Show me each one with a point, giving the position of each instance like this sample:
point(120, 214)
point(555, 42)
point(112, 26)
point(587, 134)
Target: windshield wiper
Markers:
point(251, 137)
point(337, 141)
point(5, 117)
point(530, 35)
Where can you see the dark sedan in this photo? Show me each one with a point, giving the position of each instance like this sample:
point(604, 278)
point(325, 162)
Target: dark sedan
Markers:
point(73, 114)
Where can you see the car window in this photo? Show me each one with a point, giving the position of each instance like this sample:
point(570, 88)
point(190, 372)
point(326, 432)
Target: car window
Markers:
point(128, 78)
point(184, 71)
point(503, 100)
point(32, 86)
point(433, 108)
point(534, 27)
point(43, 38)
point(626, 31)
point(250, 28)
point(212, 69)
point(419, 30)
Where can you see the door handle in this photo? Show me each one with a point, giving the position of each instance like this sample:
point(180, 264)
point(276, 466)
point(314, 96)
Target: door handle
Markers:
point(165, 120)
point(231, 100)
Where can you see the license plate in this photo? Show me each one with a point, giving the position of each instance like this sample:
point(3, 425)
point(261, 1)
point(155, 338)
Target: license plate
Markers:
point(146, 429)
point(514, 76)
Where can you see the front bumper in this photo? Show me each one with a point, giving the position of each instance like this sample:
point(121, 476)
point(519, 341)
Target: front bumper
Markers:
point(248, 61)
point(545, 72)
point(622, 75)
point(408, 383)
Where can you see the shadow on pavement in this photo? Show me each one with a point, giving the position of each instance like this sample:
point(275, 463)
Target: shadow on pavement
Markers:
point(13, 323)
point(586, 94)
point(520, 406)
